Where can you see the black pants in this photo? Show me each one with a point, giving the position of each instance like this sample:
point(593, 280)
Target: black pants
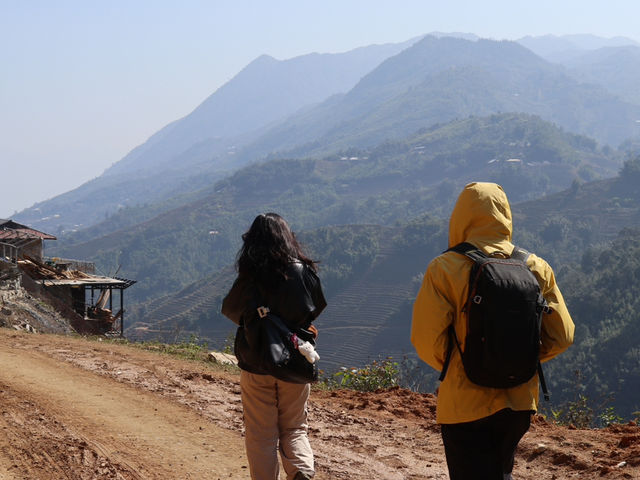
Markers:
point(484, 449)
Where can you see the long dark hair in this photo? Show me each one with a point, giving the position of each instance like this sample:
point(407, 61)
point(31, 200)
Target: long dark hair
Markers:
point(268, 247)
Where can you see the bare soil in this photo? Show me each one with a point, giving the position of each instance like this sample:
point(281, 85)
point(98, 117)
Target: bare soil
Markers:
point(74, 408)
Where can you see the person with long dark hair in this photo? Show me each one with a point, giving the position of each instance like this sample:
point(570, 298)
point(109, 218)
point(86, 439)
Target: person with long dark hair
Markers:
point(273, 270)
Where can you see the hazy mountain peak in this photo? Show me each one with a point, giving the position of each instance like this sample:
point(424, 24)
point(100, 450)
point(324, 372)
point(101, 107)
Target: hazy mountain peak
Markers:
point(565, 47)
point(432, 54)
point(263, 92)
point(264, 58)
point(465, 36)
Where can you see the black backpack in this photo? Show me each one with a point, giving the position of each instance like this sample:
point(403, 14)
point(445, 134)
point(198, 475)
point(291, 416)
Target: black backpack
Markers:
point(504, 313)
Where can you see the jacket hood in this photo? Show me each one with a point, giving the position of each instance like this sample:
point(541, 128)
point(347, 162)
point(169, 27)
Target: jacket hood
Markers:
point(482, 216)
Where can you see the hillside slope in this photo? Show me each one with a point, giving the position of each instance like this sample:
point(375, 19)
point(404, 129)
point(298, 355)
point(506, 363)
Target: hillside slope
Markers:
point(371, 275)
point(440, 79)
point(615, 68)
point(591, 236)
point(200, 148)
point(76, 409)
point(565, 48)
point(390, 183)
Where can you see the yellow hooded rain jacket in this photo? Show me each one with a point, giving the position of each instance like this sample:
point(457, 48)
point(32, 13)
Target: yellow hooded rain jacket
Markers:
point(482, 217)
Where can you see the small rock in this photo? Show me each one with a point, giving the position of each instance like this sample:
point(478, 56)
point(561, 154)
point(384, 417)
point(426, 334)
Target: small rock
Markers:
point(25, 327)
point(621, 465)
point(222, 358)
point(541, 447)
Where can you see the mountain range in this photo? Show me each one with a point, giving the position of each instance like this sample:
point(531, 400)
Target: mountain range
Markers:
point(560, 49)
point(438, 80)
point(192, 152)
point(317, 104)
point(390, 183)
point(366, 164)
point(590, 233)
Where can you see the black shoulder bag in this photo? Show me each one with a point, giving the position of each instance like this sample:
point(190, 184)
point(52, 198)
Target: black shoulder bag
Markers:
point(266, 343)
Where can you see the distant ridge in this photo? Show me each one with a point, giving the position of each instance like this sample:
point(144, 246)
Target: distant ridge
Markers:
point(390, 183)
point(319, 104)
point(195, 151)
point(561, 48)
point(440, 79)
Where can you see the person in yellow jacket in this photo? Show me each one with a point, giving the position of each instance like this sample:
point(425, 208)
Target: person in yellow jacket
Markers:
point(481, 426)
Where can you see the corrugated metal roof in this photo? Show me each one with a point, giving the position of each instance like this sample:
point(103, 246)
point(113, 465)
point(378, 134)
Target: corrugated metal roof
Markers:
point(11, 226)
point(95, 281)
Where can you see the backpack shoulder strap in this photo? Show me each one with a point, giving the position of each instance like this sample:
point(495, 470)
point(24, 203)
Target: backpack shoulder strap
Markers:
point(468, 250)
point(520, 254)
point(477, 255)
point(452, 339)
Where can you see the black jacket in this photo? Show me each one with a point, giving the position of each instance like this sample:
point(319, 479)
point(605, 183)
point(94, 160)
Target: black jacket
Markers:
point(298, 300)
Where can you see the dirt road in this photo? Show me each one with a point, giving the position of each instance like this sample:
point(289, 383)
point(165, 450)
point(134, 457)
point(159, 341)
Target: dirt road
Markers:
point(79, 409)
point(65, 422)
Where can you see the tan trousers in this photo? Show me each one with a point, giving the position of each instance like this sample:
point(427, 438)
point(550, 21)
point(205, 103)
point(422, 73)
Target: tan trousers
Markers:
point(275, 418)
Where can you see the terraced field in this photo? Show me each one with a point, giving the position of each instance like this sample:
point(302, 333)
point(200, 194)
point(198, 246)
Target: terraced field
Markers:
point(366, 320)
point(365, 313)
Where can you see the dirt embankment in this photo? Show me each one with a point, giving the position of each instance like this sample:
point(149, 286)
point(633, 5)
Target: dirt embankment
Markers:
point(79, 409)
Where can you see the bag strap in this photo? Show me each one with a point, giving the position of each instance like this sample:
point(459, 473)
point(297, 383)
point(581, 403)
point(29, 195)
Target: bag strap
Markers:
point(520, 254)
point(452, 339)
point(475, 254)
point(468, 250)
point(462, 248)
point(543, 383)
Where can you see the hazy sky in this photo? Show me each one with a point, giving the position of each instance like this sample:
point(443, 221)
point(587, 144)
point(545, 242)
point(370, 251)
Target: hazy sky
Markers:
point(85, 81)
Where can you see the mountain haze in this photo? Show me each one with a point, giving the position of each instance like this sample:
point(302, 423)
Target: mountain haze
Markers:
point(199, 149)
point(365, 153)
point(562, 48)
point(371, 274)
point(421, 83)
point(265, 91)
point(615, 68)
point(393, 182)
point(440, 79)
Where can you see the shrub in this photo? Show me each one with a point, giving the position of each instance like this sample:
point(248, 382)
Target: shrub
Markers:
point(378, 374)
point(576, 412)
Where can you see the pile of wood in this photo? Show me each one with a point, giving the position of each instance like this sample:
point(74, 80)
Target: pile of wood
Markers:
point(39, 271)
point(100, 314)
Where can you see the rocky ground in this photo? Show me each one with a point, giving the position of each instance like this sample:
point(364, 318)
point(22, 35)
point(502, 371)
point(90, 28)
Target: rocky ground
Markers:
point(78, 408)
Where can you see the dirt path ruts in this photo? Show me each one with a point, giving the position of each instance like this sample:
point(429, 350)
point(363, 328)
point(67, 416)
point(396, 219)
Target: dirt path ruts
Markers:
point(79, 409)
point(81, 425)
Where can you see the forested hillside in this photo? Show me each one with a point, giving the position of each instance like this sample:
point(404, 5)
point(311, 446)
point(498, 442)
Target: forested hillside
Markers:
point(441, 79)
point(391, 183)
point(319, 105)
point(364, 153)
point(603, 294)
point(615, 68)
point(199, 149)
point(371, 275)
point(591, 236)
